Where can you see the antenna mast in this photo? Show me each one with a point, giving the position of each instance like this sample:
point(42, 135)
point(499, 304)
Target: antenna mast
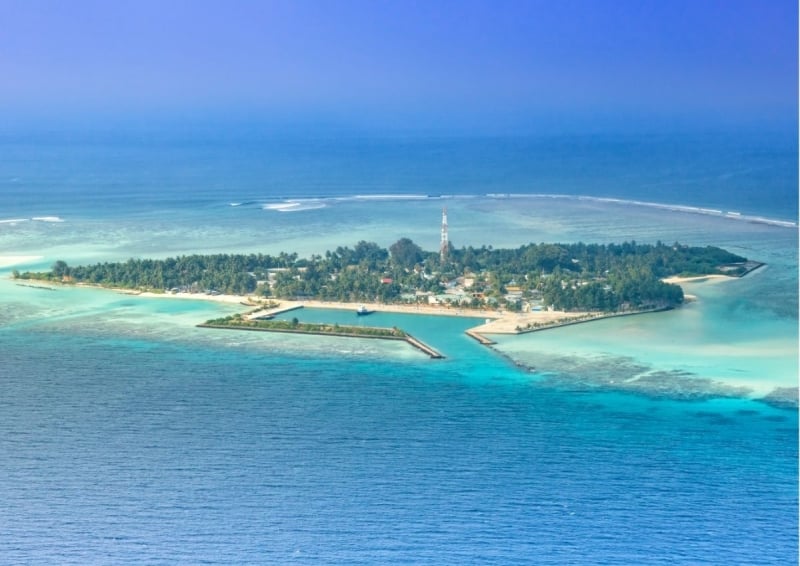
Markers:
point(444, 248)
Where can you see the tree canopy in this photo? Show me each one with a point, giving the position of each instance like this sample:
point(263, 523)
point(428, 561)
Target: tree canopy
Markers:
point(405, 253)
point(566, 276)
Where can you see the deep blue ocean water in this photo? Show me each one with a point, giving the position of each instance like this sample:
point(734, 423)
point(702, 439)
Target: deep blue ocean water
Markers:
point(752, 173)
point(129, 436)
point(134, 451)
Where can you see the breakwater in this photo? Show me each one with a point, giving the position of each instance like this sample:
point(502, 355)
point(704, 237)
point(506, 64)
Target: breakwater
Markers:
point(479, 337)
point(342, 333)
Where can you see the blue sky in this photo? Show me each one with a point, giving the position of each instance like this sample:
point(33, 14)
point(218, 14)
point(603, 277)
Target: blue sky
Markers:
point(425, 63)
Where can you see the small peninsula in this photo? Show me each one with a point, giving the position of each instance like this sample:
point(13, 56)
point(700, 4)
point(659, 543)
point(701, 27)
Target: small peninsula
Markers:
point(583, 281)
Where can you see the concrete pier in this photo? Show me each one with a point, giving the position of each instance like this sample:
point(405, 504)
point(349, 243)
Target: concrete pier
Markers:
point(264, 314)
point(480, 338)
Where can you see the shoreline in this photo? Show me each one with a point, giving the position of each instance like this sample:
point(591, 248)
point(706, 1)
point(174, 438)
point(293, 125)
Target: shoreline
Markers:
point(495, 321)
point(677, 280)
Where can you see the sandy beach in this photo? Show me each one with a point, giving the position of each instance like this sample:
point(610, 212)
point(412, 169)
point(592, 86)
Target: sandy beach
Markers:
point(509, 323)
point(678, 280)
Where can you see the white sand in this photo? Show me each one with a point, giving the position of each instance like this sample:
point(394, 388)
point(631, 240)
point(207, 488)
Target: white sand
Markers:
point(508, 323)
point(698, 279)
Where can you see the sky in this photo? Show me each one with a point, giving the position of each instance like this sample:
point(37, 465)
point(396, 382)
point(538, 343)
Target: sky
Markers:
point(427, 63)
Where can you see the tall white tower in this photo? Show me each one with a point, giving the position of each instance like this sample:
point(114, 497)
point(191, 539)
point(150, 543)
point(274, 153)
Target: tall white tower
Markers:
point(445, 245)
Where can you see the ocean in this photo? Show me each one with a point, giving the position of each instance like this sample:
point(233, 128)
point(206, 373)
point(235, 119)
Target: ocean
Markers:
point(131, 436)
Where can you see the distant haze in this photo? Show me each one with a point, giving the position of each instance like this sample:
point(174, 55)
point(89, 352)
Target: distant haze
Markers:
point(460, 66)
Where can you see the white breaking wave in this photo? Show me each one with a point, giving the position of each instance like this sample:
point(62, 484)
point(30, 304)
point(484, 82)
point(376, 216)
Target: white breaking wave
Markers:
point(300, 204)
point(303, 206)
point(48, 219)
point(13, 220)
point(390, 197)
point(731, 215)
point(280, 206)
point(296, 205)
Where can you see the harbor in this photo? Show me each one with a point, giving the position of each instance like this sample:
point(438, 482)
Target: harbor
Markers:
point(328, 330)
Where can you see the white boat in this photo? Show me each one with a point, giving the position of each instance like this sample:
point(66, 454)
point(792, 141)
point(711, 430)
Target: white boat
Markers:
point(363, 311)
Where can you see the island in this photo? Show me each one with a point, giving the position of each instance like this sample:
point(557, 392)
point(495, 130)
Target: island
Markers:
point(542, 285)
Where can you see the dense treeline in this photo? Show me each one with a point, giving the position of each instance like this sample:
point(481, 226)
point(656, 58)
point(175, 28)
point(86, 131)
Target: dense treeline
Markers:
point(226, 273)
point(567, 276)
point(663, 260)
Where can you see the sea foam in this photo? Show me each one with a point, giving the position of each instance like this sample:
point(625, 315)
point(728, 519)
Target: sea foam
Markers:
point(732, 215)
point(312, 203)
point(48, 219)
point(295, 205)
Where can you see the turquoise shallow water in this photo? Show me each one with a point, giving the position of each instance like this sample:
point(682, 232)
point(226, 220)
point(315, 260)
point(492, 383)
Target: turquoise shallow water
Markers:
point(128, 435)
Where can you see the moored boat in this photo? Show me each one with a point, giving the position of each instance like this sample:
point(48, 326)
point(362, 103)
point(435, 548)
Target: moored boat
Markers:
point(363, 311)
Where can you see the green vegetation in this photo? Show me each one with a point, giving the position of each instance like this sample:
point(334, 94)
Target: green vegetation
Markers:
point(572, 277)
point(240, 322)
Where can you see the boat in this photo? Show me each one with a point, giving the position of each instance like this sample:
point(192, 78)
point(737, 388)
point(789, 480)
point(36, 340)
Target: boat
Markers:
point(363, 311)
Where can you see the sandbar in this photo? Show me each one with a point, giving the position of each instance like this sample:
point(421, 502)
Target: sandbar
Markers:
point(697, 279)
point(11, 260)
